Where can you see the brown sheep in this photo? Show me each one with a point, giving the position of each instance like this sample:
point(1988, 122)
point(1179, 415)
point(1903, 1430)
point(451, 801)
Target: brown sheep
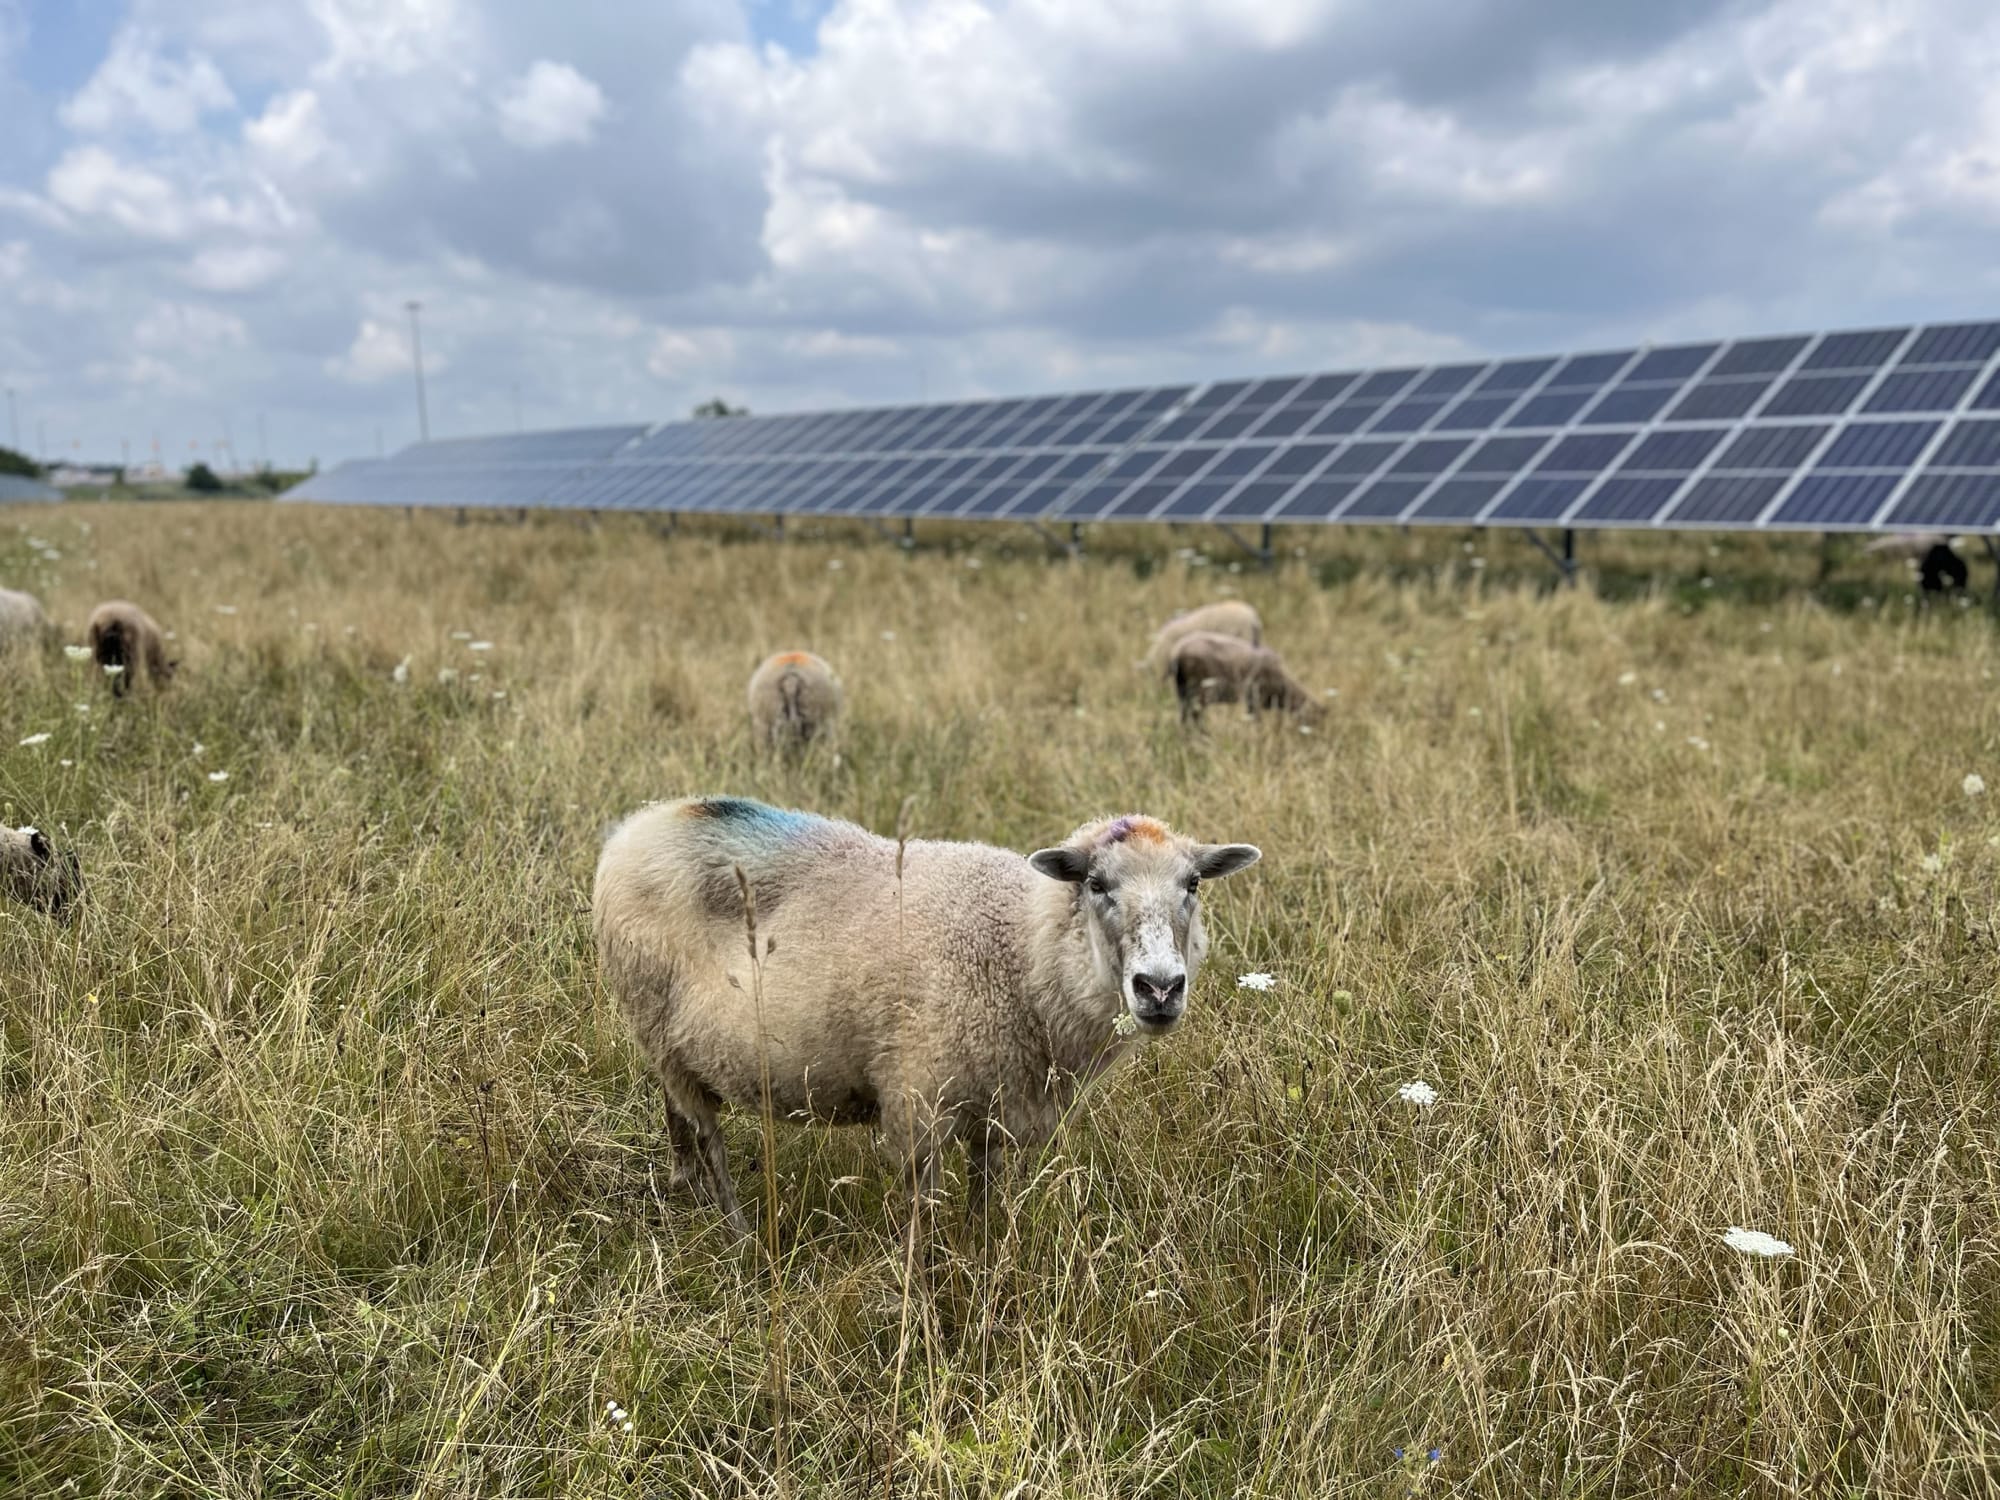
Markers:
point(946, 991)
point(794, 698)
point(34, 872)
point(1209, 668)
point(122, 637)
point(1226, 617)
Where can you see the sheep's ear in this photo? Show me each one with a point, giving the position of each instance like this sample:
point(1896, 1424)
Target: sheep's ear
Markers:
point(1062, 863)
point(38, 845)
point(1213, 861)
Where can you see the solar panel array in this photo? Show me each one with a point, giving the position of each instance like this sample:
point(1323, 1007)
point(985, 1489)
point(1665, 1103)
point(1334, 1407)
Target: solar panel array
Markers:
point(1880, 429)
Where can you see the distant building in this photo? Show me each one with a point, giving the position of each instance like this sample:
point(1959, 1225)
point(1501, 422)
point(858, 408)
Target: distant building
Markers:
point(66, 476)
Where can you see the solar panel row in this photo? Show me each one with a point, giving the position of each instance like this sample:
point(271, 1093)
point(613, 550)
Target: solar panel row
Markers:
point(1880, 428)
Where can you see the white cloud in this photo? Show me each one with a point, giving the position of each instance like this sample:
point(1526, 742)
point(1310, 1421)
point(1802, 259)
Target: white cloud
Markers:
point(380, 350)
point(138, 86)
point(234, 268)
point(291, 133)
point(550, 105)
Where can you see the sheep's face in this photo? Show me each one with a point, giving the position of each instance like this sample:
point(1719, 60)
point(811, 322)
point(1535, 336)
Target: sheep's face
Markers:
point(1140, 899)
point(31, 870)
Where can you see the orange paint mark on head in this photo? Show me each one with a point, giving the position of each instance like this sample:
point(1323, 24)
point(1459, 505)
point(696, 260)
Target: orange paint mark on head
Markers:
point(792, 659)
point(1136, 829)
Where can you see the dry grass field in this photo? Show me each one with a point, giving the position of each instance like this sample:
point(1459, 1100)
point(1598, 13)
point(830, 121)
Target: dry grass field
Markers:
point(326, 1168)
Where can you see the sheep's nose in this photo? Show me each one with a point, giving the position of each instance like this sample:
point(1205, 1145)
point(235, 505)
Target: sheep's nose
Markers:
point(1159, 998)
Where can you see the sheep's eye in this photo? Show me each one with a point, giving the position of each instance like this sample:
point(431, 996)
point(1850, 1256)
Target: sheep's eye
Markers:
point(1098, 887)
point(1193, 884)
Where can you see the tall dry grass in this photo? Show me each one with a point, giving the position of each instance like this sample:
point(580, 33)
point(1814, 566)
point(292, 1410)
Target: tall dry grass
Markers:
point(325, 1168)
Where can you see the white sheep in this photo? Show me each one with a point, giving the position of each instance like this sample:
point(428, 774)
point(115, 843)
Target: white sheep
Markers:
point(949, 991)
point(33, 871)
point(122, 638)
point(794, 698)
point(1225, 617)
point(22, 620)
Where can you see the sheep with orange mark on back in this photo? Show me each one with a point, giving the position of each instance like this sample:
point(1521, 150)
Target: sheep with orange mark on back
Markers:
point(795, 698)
point(945, 991)
point(1227, 617)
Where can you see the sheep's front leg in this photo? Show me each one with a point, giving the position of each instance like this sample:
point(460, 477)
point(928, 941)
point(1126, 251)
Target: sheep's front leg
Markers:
point(912, 1132)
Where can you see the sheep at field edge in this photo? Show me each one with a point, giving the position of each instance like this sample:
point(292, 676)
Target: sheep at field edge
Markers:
point(124, 636)
point(23, 622)
point(1209, 668)
point(32, 871)
point(1225, 617)
point(1941, 570)
point(958, 991)
point(794, 698)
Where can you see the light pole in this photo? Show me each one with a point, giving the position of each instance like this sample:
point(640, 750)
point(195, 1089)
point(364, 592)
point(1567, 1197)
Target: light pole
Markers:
point(417, 358)
point(13, 422)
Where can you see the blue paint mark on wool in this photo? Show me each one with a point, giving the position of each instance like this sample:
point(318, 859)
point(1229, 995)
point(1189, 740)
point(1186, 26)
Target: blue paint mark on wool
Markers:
point(757, 819)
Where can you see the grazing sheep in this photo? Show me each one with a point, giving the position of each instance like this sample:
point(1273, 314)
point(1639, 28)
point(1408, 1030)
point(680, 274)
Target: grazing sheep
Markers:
point(794, 698)
point(1209, 668)
point(1941, 570)
point(33, 872)
point(945, 991)
point(22, 620)
point(1228, 617)
point(123, 636)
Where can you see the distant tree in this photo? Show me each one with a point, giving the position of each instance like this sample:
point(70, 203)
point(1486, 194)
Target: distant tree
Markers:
point(202, 480)
point(19, 463)
point(715, 406)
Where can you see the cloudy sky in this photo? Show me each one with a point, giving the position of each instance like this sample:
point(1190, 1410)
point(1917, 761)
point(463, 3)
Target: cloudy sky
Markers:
point(213, 211)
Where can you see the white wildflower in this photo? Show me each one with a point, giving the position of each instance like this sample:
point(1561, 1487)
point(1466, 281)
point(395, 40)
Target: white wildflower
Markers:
point(199, 747)
point(1659, 726)
point(1974, 785)
point(83, 708)
point(973, 562)
point(447, 675)
point(36, 739)
point(218, 776)
point(1707, 582)
point(402, 673)
point(1626, 679)
point(1885, 904)
point(480, 646)
point(461, 635)
point(65, 762)
point(611, 1406)
point(1659, 695)
point(1698, 742)
point(1931, 864)
point(1418, 1093)
point(225, 609)
point(114, 669)
point(1756, 1242)
point(1123, 1024)
point(499, 692)
point(834, 565)
point(1257, 981)
point(77, 653)
point(888, 635)
point(1477, 563)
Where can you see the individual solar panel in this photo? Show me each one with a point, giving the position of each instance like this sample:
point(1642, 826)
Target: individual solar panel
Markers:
point(1848, 430)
